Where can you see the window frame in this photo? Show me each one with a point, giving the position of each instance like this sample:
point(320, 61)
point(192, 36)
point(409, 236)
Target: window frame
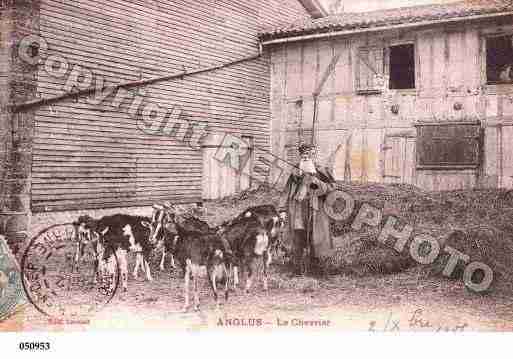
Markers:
point(385, 48)
point(387, 68)
point(485, 57)
point(484, 35)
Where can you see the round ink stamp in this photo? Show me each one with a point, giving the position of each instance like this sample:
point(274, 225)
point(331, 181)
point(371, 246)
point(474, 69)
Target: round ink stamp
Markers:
point(62, 275)
point(11, 290)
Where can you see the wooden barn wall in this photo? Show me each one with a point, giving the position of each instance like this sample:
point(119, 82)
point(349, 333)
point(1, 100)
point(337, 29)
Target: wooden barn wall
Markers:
point(358, 135)
point(94, 156)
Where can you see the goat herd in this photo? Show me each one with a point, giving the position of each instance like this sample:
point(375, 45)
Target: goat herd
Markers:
point(191, 242)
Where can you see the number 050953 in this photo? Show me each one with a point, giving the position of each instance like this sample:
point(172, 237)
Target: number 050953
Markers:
point(34, 346)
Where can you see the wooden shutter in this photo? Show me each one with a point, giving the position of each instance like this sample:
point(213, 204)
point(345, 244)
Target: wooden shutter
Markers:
point(369, 70)
point(449, 146)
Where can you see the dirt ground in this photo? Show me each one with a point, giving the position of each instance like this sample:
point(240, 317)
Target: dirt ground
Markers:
point(408, 298)
point(405, 302)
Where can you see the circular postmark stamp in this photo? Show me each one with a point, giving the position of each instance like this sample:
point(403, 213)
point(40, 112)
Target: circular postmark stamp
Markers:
point(11, 290)
point(62, 275)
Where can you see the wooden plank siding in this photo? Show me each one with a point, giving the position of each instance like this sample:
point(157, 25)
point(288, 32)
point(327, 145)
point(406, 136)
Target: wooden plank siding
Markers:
point(93, 155)
point(362, 139)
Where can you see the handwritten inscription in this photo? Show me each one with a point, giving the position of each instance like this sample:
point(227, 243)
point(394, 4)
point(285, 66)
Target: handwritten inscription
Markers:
point(417, 321)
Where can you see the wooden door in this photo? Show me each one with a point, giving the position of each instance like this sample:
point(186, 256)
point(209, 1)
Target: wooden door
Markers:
point(399, 159)
point(220, 178)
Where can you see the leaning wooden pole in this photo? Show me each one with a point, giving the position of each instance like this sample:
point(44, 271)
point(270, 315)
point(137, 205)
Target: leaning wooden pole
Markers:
point(316, 93)
point(315, 116)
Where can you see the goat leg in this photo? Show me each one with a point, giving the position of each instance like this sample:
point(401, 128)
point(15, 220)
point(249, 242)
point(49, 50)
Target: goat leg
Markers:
point(250, 271)
point(163, 259)
point(148, 271)
point(173, 265)
point(212, 279)
point(187, 276)
point(266, 259)
point(138, 259)
point(235, 277)
point(226, 284)
point(196, 288)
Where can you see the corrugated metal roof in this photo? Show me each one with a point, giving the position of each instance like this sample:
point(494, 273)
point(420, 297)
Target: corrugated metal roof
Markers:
point(390, 17)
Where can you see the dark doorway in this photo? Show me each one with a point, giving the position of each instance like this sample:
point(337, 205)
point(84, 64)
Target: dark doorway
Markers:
point(402, 67)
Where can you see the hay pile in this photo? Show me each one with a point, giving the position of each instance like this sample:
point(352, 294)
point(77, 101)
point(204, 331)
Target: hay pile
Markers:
point(485, 244)
point(219, 211)
point(478, 223)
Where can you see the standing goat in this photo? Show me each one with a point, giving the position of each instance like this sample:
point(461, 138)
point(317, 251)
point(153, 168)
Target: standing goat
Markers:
point(249, 238)
point(193, 245)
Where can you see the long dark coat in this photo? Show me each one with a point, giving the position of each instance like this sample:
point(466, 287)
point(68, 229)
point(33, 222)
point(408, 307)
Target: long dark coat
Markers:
point(303, 198)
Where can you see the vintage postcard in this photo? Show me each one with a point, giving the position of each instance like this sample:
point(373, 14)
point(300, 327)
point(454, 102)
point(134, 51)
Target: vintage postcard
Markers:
point(270, 165)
